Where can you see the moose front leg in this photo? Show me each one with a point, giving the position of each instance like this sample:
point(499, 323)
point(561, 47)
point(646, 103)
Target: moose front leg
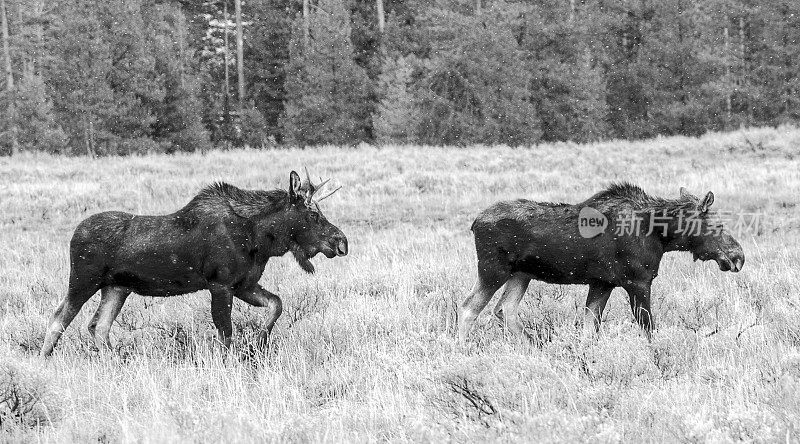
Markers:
point(639, 295)
point(221, 303)
point(259, 297)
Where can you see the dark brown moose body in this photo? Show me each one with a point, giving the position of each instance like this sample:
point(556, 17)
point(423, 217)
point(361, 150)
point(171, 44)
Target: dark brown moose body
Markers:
point(220, 241)
point(517, 241)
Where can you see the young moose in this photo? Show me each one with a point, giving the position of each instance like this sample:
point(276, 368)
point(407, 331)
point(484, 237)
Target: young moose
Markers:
point(520, 240)
point(220, 241)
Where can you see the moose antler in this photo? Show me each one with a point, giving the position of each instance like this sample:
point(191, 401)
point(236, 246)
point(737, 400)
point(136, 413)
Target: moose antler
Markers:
point(329, 194)
point(312, 188)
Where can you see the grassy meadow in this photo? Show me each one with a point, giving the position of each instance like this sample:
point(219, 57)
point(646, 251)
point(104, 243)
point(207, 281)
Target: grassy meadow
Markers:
point(365, 349)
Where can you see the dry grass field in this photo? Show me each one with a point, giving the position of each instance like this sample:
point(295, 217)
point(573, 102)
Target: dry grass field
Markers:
point(365, 350)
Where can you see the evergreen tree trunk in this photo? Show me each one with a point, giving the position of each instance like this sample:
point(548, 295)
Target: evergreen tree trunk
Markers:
point(89, 136)
point(787, 67)
point(571, 11)
point(748, 112)
point(240, 55)
point(381, 16)
point(306, 25)
point(181, 49)
point(726, 40)
point(11, 112)
point(38, 32)
point(227, 89)
point(682, 74)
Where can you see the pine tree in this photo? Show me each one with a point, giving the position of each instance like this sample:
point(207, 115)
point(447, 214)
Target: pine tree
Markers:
point(179, 116)
point(266, 56)
point(36, 124)
point(9, 98)
point(475, 85)
point(213, 33)
point(394, 120)
point(110, 110)
point(783, 40)
point(38, 127)
point(326, 90)
point(122, 76)
point(670, 55)
point(76, 43)
point(615, 31)
point(588, 101)
point(568, 84)
point(732, 90)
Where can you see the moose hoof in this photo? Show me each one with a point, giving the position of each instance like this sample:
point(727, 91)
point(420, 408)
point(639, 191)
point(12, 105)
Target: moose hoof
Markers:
point(262, 341)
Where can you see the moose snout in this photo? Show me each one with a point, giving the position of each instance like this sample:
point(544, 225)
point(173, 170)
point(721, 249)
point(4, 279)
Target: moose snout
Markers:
point(736, 255)
point(731, 260)
point(341, 246)
point(737, 261)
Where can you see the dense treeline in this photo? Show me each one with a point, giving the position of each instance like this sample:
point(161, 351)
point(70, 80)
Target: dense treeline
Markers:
point(122, 76)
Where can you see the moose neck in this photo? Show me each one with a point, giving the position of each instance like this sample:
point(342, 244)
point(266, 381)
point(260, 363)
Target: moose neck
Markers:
point(273, 233)
point(674, 237)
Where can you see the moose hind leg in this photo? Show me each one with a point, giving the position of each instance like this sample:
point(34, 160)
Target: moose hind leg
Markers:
point(485, 287)
point(507, 306)
point(77, 295)
point(111, 301)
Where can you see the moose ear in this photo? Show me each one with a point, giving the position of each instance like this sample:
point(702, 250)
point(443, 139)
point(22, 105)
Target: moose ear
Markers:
point(685, 192)
point(707, 201)
point(294, 184)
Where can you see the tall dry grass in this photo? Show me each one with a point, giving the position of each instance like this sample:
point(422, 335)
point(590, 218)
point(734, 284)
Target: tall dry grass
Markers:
point(365, 348)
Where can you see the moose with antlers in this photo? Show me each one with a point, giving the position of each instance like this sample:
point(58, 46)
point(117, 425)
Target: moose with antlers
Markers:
point(220, 241)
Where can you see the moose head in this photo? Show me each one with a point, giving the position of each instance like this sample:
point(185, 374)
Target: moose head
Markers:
point(711, 240)
point(311, 232)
